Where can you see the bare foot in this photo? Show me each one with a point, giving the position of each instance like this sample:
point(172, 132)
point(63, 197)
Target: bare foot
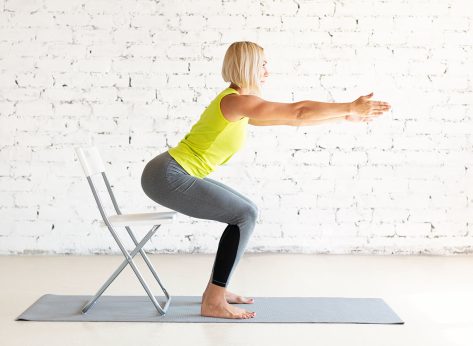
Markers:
point(233, 298)
point(214, 304)
point(223, 309)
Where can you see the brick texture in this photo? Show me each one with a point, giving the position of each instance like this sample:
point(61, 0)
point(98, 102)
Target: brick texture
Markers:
point(132, 76)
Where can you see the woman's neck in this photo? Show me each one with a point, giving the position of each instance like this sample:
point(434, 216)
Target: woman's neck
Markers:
point(241, 91)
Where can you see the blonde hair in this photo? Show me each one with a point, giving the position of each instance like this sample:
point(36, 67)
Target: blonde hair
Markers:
point(241, 65)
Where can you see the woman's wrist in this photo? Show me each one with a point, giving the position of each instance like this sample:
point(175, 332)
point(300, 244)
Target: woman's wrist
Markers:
point(350, 108)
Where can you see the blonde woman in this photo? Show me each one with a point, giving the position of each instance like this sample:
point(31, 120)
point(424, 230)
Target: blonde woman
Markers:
point(178, 178)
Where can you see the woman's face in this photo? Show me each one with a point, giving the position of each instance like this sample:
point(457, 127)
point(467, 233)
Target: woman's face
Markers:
point(264, 71)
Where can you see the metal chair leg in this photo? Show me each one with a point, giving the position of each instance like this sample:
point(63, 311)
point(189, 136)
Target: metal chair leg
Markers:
point(129, 260)
point(148, 262)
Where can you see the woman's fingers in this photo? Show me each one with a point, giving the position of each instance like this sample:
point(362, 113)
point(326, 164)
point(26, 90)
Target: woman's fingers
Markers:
point(379, 109)
point(380, 103)
point(372, 108)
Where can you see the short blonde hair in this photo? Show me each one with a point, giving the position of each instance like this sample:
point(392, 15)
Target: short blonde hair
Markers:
point(241, 65)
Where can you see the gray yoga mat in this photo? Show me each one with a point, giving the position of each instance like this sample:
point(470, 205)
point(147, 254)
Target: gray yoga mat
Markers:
point(187, 309)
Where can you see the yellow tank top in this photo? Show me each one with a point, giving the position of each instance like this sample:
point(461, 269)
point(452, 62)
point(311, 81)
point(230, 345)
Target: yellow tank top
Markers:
point(212, 141)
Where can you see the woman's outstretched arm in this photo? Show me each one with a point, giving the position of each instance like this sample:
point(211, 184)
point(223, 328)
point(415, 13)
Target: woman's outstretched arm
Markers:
point(294, 122)
point(300, 113)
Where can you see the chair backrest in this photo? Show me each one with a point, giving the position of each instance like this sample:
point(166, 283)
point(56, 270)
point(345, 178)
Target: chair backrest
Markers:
point(90, 160)
point(92, 164)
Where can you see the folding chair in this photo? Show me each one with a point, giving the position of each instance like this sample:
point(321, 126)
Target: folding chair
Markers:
point(92, 164)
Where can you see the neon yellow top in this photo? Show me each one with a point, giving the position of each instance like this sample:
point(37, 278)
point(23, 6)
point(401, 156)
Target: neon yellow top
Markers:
point(212, 141)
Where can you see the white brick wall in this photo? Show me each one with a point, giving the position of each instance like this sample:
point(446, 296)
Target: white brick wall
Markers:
point(132, 76)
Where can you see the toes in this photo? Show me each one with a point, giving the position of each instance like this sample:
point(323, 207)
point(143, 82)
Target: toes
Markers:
point(250, 314)
point(246, 314)
point(245, 300)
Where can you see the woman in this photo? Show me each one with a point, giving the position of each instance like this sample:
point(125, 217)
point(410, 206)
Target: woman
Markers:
point(177, 178)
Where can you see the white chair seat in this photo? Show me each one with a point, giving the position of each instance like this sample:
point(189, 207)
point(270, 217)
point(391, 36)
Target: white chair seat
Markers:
point(141, 219)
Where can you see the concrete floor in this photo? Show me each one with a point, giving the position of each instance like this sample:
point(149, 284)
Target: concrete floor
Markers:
point(433, 295)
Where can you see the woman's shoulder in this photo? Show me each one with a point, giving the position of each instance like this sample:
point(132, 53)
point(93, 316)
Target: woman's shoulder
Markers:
point(227, 107)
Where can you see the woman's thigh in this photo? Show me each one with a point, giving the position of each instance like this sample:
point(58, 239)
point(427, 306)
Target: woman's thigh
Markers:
point(228, 188)
point(205, 200)
point(168, 184)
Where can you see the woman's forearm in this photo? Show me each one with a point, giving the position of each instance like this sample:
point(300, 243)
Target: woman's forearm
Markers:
point(313, 111)
point(320, 122)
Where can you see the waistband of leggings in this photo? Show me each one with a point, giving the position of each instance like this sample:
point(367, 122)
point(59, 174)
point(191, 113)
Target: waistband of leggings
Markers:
point(174, 162)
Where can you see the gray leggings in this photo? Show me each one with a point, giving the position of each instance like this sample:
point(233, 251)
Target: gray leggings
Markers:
point(168, 184)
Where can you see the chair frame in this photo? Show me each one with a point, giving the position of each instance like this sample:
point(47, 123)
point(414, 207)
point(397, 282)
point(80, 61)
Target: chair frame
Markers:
point(128, 255)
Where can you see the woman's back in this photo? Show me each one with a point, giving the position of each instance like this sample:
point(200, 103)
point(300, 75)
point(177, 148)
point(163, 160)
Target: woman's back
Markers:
point(212, 141)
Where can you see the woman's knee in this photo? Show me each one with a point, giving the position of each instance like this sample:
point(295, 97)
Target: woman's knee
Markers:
point(254, 212)
point(249, 212)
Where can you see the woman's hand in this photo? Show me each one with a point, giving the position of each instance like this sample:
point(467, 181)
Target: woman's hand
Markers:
point(363, 109)
point(357, 118)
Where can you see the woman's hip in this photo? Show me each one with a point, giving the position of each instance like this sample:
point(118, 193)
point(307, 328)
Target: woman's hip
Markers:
point(161, 172)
